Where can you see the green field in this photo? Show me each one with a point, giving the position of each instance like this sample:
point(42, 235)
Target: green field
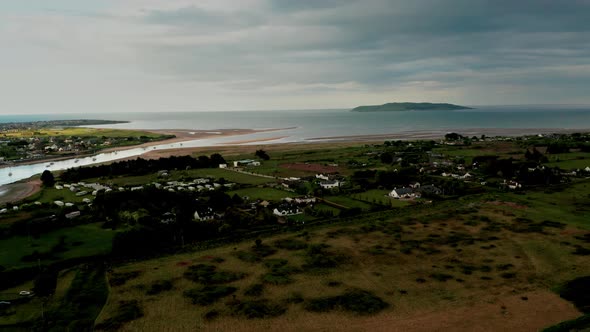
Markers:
point(83, 132)
point(378, 196)
point(570, 161)
point(269, 194)
point(80, 241)
point(348, 202)
point(228, 175)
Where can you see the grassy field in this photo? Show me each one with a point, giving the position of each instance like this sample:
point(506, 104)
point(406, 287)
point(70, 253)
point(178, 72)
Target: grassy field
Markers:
point(49, 195)
point(228, 175)
point(378, 196)
point(348, 202)
point(458, 254)
point(342, 156)
point(269, 194)
point(83, 132)
point(214, 173)
point(501, 149)
point(80, 241)
point(572, 160)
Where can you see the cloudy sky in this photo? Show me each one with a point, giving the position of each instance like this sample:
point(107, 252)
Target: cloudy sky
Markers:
point(209, 55)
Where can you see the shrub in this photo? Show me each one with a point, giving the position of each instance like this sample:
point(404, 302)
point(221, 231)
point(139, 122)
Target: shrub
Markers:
point(581, 251)
point(257, 253)
point(159, 286)
point(578, 292)
point(355, 300)
point(258, 309)
point(508, 275)
point(579, 324)
point(126, 312)
point(279, 272)
point(290, 244)
point(207, 274)
point(441, 276)
point(208, 294)
point(317, 257)
point(254, 290)
point(294, 297)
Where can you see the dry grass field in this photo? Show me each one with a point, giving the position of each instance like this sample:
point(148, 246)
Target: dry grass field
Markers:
point(473, 265)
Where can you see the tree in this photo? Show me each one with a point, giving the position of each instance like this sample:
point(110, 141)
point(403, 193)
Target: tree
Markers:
point(386, 158)
point(453, 137)
point(47, 178)
point(262, 154)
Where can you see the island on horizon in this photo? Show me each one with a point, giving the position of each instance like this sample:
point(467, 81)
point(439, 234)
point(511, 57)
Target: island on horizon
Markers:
point(397, 107)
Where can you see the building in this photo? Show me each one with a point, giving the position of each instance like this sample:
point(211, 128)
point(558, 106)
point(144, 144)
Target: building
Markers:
point(330, 184)
point(284, 210)
point(203, 214)
point(246, 162)
point(404, 193)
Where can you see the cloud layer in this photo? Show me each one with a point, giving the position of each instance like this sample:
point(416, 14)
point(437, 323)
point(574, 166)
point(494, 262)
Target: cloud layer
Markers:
point(183, 55)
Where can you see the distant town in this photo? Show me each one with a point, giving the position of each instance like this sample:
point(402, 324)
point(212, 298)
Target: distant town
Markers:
point(40, 140)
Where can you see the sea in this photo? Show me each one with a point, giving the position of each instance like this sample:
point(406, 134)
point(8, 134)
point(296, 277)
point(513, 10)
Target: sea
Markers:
point(311, 126)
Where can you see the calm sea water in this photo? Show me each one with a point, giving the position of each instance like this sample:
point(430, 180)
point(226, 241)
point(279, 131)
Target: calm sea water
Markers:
point(309, 124)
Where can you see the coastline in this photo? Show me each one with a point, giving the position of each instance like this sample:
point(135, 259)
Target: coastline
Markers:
point(182, 135)
point(240, 147)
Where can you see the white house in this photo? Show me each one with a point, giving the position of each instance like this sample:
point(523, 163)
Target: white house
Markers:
point(58, 203)
point(330, 184)
point(222, 165)
point(403, 193)
point(204, 214)
point(286, 210)
point(322, 177)
point(246, 162)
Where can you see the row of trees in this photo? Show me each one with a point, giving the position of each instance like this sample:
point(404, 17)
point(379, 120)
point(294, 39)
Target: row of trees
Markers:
point(142, 166)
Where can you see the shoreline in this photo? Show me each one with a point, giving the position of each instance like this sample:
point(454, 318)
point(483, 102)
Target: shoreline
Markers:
point(321, 142)
point(182, 135)
point(467, 132)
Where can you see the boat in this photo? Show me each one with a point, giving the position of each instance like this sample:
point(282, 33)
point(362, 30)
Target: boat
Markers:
point(93, 159)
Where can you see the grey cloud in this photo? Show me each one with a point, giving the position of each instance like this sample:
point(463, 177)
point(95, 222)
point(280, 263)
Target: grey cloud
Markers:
point(377, 43)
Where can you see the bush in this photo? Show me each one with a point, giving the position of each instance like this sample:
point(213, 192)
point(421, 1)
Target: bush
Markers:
point(254, 290)
point(208, 294)
point(126, 312)
point(279, 272)
point(441, 276)
point(579, 324)
point(358, 301)
point(295, 298)
point(578, 292)
point(290, 244)
point(207, 274)
point(317, 257)
point(159, 286)
point(257, 253)
point(258, 309)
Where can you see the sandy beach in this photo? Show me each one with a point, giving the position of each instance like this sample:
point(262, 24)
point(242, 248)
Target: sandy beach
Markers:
point(233, 148)
point(15, 192)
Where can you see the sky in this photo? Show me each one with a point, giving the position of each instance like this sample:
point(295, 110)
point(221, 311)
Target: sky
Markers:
point(59, 56)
